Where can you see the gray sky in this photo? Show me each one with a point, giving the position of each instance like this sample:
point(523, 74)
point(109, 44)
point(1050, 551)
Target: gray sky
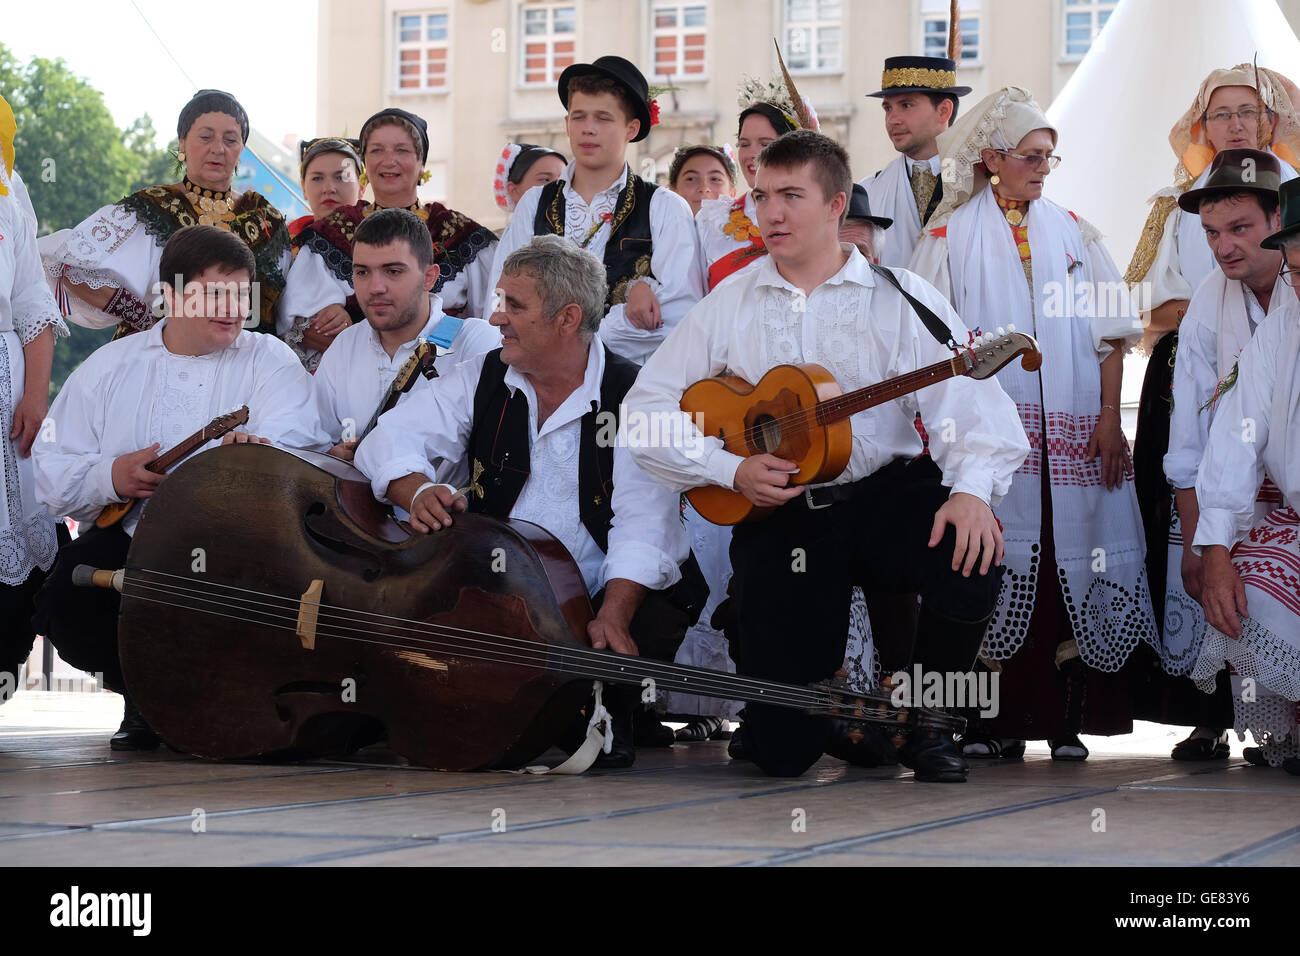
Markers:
point(272, 71)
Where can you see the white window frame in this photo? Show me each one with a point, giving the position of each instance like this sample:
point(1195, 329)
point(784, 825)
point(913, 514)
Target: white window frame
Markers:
point(964, 16)
point(423, 45)
point(1090, 7)
point(550, 38)
point(816, 25)
point(680, 32)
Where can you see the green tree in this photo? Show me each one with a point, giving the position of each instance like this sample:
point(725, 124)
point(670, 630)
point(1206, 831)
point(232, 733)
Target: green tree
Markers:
point(74, 159)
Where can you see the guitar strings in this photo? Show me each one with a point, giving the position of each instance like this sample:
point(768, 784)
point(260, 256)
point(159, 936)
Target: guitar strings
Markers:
point(797, 421)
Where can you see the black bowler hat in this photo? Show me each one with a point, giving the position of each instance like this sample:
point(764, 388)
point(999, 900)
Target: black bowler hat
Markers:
point(1290, 196)
point(920, 74)
point(1236, 171)
point(622, 72)
point(860, 208)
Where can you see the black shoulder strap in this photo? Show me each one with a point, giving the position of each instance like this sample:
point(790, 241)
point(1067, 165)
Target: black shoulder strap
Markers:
point(936, 325)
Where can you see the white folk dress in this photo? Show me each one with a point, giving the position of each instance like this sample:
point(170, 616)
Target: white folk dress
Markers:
point(27, 309)
point(974, 260)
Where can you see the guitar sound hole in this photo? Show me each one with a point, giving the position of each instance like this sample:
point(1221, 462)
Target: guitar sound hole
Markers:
point(767, 433)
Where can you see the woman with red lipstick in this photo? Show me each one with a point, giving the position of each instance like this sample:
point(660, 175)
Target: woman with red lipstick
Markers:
point(330, 169)
point(729, 239)
point(1075, 600)
point(106, 269)
point(319, 301)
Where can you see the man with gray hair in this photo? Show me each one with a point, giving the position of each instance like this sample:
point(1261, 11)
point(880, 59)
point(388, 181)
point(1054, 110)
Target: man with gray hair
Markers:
point(527, 429)
point(862, 227)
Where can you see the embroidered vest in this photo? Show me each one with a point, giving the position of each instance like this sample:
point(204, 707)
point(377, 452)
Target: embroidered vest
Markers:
point(499, 449)
point(628, 249)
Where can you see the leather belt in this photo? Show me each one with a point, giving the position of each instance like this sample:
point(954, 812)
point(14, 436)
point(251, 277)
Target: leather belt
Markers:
point(823, 496)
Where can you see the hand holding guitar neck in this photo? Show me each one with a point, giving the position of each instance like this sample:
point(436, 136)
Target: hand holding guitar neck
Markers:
point(138, 473)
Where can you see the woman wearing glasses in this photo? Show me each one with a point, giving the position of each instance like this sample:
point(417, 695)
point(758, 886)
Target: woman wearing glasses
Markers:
point(1074, 601)
point(1237, 108)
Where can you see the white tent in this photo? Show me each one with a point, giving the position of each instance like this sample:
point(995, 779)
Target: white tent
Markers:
point(1115, 113)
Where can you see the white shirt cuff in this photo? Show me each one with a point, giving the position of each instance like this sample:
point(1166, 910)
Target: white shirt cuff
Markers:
point(642, 563)
point(1215, 526)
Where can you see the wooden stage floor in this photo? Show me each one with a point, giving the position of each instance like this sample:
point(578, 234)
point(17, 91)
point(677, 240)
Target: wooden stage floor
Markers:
point(67, 800)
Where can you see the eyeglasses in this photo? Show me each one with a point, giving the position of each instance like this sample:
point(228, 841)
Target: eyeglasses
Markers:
point(1051, 159)
point(1247, 114)
point(1289, 276)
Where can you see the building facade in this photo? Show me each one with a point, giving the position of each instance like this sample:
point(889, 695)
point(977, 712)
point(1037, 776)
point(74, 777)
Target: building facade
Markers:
point(483, 72)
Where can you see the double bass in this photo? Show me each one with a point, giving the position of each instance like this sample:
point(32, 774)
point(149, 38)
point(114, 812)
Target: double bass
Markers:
point(272, 607)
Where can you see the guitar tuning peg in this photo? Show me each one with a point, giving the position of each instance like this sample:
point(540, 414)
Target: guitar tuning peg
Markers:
point(1010, 327)
point(1001, 331)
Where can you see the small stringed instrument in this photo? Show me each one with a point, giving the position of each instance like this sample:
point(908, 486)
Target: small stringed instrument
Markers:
point(799, 413)
point(118, 510)
point(320, 624)
point(420, 363)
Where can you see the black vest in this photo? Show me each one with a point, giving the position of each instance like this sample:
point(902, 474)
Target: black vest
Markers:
point(627, 252)
point(499, 449)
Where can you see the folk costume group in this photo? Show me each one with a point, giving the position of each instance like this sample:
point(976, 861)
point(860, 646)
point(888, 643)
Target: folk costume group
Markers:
point(991, 525)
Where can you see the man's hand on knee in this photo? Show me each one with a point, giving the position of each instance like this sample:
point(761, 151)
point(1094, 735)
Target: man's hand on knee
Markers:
point(976, 529)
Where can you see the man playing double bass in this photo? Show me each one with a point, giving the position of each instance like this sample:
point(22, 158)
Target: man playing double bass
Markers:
point(523, 427)
point(882, 524)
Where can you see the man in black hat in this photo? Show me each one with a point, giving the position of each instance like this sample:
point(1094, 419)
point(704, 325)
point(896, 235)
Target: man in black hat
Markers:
point(862, 228)
point(919, 95)
point(644, 235)
point(1238, 206)
point(1251, 549)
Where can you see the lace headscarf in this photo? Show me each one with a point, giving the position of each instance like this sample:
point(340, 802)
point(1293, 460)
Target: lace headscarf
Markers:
point(1276, 93)
point(999, 121)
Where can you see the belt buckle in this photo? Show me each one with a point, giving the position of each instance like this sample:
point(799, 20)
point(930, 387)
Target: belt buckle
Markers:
point(812, 505)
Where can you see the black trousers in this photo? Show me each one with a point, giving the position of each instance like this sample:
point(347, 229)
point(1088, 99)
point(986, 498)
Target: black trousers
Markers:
point(82, 622)
point(793, 572)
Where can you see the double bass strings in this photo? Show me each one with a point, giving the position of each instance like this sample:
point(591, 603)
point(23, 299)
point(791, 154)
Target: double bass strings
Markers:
point(525, 653)
point(517, 651)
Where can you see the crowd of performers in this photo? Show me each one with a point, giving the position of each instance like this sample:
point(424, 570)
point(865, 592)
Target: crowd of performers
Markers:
point(992, 526)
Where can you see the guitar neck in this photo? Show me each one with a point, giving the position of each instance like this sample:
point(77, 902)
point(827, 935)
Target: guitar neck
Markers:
point(842, 406)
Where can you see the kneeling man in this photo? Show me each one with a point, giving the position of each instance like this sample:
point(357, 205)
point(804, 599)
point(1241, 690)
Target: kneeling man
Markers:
point(134, 399)
point(522, 425)
point(888, 523)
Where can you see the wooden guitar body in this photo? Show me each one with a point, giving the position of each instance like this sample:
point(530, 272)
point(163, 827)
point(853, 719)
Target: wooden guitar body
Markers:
point(755, 419)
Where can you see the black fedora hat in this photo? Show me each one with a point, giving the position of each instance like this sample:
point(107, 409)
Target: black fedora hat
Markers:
point(625, 74)
point(1235, 171)
point(1290, 196)
point(860, 208)
point(920, 74)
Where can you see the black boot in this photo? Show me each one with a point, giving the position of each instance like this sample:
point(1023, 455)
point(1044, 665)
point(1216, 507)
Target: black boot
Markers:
point(1071, 676)
point(134, 733)
point(619, 701)
point(943, 645)
point(648, 730)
